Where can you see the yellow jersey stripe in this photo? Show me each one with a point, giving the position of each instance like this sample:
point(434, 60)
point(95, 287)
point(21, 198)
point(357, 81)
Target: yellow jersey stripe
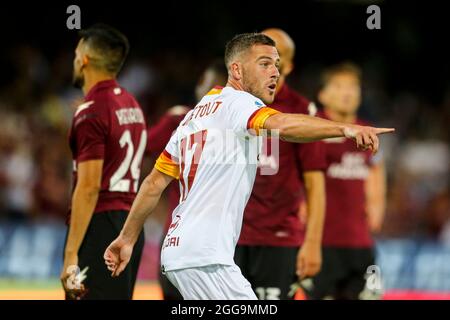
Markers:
point(166, 165)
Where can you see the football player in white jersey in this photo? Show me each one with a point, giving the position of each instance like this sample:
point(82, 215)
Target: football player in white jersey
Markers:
point(214, 155)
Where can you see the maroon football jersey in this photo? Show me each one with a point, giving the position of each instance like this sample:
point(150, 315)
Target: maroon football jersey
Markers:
point(160, 133)
point(347, 170)
point(271, 217)
point(110, 125)
point(158, 137)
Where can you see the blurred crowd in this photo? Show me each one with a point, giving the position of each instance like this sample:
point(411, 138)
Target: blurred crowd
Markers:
point(37, 102)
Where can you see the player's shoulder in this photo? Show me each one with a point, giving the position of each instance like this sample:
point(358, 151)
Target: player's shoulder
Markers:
point(88, 112)
point(107, 92)
point(84, 107)
point(89, 107)
point(94, 102)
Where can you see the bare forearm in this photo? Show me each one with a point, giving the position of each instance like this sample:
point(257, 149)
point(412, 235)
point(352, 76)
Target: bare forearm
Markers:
point(376, 191)
point(304, 128)
point(84, 201)
point(145, 202)
point(315, 196)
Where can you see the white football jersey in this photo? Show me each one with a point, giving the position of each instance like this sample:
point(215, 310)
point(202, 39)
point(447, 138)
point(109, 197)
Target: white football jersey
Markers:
point(214, 154)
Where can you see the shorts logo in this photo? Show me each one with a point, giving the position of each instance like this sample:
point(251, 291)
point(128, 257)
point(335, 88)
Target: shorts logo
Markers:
point(174, 224)
point(172, 241)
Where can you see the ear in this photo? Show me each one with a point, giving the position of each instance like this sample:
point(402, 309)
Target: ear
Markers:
point(236, 71)
point(85, 60)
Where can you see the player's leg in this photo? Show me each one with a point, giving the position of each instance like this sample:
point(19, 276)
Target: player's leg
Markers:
point(355, 283)
point(103, 229)
point(324, 284)
point(99, 283)
point(117, 220)
point(271, 271)
point(241, 258)
point(214, 282)
point(169, 291)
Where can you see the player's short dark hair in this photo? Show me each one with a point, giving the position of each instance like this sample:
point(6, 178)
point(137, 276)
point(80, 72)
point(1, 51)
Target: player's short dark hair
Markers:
point(243, 42)
point(109, 44)
point(343, 67)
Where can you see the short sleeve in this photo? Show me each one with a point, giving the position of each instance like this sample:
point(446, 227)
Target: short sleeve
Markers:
point(312, 156)
point(258, 118)
point(90, 132)
point(168, 161)
point(249, 113)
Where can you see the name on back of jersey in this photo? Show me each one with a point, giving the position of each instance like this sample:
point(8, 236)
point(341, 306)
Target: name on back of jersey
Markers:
point(130, 116)
point(203, 110)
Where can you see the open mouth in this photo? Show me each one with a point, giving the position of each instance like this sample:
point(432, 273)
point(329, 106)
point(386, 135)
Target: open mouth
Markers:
point(272, 86)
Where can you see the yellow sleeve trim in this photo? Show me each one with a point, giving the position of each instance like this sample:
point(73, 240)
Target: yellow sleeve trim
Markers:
point(166, 165)
point(259, 117)
point(215, 90)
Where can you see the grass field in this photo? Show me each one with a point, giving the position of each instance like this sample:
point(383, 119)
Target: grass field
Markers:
point(12, 289)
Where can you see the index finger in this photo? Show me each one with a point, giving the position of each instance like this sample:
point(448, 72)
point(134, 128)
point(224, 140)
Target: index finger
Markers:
point(384, 130)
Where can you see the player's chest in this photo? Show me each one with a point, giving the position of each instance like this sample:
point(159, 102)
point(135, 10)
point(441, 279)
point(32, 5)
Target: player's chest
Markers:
point(345, 160)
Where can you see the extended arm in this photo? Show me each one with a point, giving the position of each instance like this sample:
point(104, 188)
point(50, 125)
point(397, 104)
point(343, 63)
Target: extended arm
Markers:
point(304, 128)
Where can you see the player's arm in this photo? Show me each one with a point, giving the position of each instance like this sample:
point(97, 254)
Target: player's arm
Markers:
point(118, 254)
point(304, 128)
point(310, 258)
point(375, 188)
point(84, 200)
point(144, 204)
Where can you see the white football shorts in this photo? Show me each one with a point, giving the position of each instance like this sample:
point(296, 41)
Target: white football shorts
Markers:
point(213, 282)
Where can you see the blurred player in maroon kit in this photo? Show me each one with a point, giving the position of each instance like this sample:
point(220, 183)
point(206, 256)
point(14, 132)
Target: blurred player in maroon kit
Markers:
point(215, 75)
point(268, 249)
point(108, 139)
point(355, 191)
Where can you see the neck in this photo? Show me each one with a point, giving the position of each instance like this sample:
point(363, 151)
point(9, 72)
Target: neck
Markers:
point(91, 79)
point(340, 116)
point(235, 84)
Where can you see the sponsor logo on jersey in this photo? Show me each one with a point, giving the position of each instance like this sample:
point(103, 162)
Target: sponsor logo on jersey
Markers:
point(352, 167)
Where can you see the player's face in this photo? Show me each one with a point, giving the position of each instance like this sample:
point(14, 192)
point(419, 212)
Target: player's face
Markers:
point(78, 77)
point(260, 72)
point(342, 93)
point(284, 52)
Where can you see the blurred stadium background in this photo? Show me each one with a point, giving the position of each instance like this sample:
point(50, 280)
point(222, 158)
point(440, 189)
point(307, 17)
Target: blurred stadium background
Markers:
point(406, 85)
